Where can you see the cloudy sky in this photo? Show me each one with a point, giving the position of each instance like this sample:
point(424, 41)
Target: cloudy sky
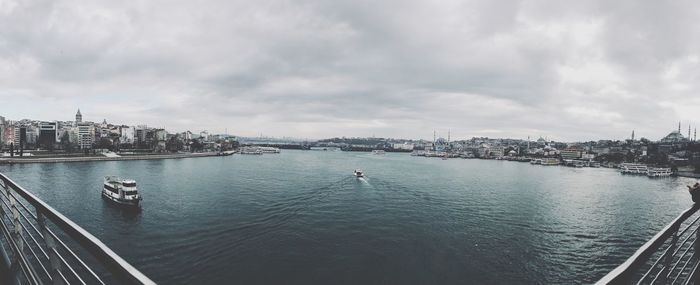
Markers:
point(569, 70)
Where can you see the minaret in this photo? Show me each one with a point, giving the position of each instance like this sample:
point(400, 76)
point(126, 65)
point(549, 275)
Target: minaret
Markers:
point(632, 135)
point(695, 134)
point(528, 144)
point(679, 127)
point(448, 136)
point(689, 131)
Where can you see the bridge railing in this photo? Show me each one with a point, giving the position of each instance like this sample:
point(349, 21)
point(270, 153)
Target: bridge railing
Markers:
point(670, 257)
point(41, 246)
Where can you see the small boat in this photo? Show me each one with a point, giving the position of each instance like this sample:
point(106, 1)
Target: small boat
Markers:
point(121, 191)
point(358, 173)
point(378, 152)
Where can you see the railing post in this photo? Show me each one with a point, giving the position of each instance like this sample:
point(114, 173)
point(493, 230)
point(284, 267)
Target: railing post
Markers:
point(16, 233)
point(51, 245)
point(668, 259)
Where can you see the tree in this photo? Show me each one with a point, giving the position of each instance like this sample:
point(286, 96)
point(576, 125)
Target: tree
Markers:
point(174, 144)
point(196, 145)
point(65, 143)
point(104, 143)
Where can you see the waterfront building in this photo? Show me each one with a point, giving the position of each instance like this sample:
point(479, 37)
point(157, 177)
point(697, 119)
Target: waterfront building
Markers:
point(86, 136)
point(20, 136)
point(496, 151)
point(402, 146)
point(204, 135)
point(48, 134)
point(160, 135)
point(8, 135)
point(570, 153)
point(127, 134)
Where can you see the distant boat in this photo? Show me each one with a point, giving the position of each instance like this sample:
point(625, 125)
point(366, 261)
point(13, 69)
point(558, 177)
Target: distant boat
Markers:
point(659, 172)
point(269, 149)
point(324, 148)
point(358, 173)
point(633, 168)
point(550, 161)
point(378, 152)
point(121, 191)
point(251, 150)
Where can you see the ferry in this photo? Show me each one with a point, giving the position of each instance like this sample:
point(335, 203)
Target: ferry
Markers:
point(550, 161)
point(378, 152)
point(269, 149)
point(632, 168)
point(121, 191)
point(536, 161)
point(658, 172)
point(358, 173)
point(251, 150)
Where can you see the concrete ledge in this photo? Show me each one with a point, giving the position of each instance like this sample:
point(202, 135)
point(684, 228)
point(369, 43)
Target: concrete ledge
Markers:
point(82, 159)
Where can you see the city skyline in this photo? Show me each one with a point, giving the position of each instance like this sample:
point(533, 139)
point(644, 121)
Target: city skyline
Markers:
point(312, 69)
point(691, 134)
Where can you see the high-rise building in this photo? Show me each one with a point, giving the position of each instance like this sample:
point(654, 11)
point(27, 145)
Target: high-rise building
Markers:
point(20, 137)
point(127, 135)
point(48, 134)
point(86, 136)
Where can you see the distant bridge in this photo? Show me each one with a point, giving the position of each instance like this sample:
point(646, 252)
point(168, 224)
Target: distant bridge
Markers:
point(41, 246)
point(670, 257)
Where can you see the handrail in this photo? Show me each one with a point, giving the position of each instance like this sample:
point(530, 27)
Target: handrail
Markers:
point(118, 267)
point(624, 272)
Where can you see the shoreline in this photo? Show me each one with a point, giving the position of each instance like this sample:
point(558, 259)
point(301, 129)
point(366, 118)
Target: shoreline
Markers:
point(4, 161)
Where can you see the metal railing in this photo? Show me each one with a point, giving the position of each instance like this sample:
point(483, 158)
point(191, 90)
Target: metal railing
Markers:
point(34, 251)
point(670, 257)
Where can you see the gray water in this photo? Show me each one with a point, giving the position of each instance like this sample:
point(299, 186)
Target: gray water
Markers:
point(301, 218)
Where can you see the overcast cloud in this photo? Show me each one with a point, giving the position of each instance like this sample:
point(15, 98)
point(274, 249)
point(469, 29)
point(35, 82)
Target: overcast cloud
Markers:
point(569, 70)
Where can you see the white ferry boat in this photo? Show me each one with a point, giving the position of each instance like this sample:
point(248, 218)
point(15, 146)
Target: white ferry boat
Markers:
point(121, 191)
point(251, 150)
point(269, 149)
point(659, 172)
point(378, 152)
point(632, 168)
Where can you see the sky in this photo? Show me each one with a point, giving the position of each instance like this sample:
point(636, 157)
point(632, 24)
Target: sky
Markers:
point(566, 70)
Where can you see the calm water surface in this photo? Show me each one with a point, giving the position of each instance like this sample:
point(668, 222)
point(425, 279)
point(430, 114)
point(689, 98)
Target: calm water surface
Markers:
point(301, 218)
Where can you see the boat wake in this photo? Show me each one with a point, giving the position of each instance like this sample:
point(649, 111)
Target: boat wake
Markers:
point(272, 219)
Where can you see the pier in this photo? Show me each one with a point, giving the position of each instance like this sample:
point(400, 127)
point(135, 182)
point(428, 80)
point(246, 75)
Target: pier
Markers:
point(41, 246)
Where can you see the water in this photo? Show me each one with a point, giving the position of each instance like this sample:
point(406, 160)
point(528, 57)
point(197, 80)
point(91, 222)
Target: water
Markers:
point(301, 218)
